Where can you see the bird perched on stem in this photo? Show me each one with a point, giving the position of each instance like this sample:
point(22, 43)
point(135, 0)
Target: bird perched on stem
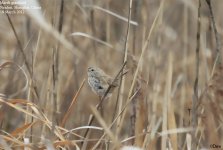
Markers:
point(99, 81)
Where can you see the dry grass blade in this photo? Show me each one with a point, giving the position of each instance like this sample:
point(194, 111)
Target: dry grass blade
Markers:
point(20, 101)
point(4, 144)
point(38, 18)
point(218, 44)
point(87, 127)
point(145, 47)
point(134, 137)
point(38, 115)
point(188, 141)
point(142, 55)
point(166, 104)
point(92, 38)
point(23, 129)
point(171, 108)
point(177, 130)
point(66, 143)
point(195, 95)
point(9, 63)
point(35, 93)
point(47, 46)
point(67, 114)
point(116, 143)
point(48, 123)
point(12, 140)
point(5, 64)
point(112, 13)
point(117, 117)
point(18, 108)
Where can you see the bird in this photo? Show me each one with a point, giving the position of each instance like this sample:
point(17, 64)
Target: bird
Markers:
point(99, 82)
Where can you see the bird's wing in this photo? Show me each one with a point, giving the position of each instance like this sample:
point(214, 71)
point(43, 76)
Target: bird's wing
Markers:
point(103, 82)
point(115, 83)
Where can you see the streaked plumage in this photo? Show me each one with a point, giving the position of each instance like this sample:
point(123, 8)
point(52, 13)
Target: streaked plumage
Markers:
point(99, 81)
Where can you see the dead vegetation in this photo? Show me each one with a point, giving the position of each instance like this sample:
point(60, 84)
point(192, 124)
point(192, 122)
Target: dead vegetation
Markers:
point(171, 97)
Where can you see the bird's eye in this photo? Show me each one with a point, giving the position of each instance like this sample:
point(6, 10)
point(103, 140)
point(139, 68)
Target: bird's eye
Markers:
point(90, 69)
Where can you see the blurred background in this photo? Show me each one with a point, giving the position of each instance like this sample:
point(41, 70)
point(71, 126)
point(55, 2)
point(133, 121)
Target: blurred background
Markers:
point(46, 63)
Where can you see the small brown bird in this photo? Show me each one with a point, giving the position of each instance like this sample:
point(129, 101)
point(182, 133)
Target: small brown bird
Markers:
point(99, 81)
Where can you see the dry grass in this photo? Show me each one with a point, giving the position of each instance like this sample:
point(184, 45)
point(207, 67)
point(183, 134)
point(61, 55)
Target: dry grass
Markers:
point(171, 97)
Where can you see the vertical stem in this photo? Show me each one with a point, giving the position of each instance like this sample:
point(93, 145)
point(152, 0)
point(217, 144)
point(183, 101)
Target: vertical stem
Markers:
point(55, 66)
point(195, 97)
point(218, 56)
point(93, 30)
point(218, 44)
point(35, 93)
point(122, 80)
